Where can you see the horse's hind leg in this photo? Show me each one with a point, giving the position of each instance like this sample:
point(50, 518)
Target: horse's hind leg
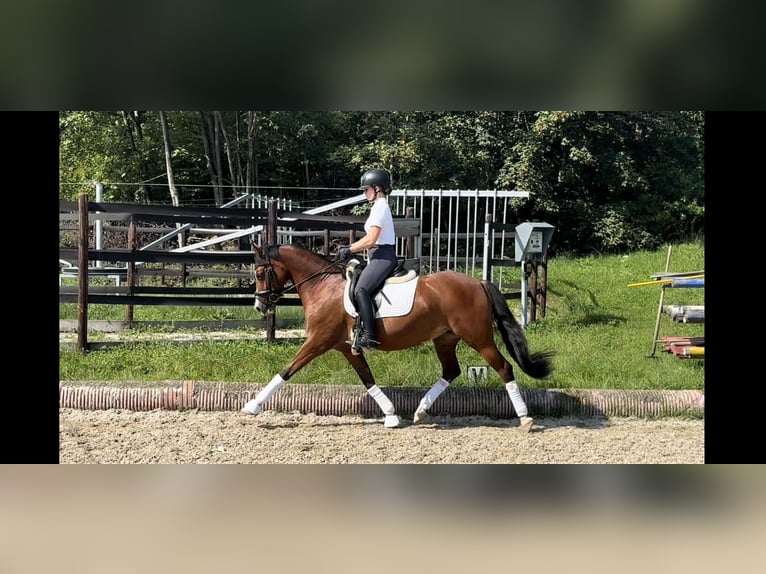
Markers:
point(483, 342)
point(445, 349)
point(497, 361)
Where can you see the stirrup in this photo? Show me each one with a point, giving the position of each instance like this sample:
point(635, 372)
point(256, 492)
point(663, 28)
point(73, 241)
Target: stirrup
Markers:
point(355, 333)
point(364, 341)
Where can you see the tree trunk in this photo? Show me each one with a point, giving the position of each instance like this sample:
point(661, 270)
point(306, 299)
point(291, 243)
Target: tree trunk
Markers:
point(237, 154)
point(169, 166)
point(218, 163)
point(250, 174)
point(227, 149)
point(206, 133)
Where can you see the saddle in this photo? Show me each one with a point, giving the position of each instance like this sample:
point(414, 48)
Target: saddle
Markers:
point(397, 294)
point(407, 270)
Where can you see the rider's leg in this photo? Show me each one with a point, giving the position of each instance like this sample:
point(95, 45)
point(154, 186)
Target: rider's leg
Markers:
point(380, 266)
point(366, 339)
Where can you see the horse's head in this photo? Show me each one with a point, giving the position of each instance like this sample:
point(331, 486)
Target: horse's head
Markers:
point(282, 268)
point(271, 276)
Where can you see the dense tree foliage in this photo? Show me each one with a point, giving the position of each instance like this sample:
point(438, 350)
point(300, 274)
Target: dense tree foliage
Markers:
point(609, 181)
point(614, 181)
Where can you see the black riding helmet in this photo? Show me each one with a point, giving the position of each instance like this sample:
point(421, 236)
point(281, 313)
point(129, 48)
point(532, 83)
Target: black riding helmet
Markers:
point(376, 177)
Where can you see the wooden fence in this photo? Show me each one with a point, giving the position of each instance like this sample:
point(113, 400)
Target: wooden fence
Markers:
point(261, 224)
point(179, 225)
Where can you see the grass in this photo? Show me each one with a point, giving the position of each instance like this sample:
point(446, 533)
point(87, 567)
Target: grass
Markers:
point(600, 329)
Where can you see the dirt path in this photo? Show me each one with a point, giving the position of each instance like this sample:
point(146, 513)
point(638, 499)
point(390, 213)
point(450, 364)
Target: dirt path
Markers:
point(222, 437)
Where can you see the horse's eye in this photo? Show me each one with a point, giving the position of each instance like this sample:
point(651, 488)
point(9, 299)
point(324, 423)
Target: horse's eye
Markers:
point(260, 276)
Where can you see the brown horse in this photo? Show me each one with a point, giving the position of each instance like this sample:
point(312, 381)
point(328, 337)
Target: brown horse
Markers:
point(448, 307)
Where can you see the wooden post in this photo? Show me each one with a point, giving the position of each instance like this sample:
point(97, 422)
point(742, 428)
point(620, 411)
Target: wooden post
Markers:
point(271, 239)
point(131, 270)
point(486, 267)
point(242, 245)
point(327, 242)
point(533, 291)
point(409, 243)
point(82, 264)
point(543, 293)
point(271, 224)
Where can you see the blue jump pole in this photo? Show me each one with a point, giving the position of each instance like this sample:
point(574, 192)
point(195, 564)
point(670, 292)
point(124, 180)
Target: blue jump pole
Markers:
point(690, 283)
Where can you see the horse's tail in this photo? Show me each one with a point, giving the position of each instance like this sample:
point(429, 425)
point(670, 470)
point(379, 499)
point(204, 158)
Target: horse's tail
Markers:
point(536, 365)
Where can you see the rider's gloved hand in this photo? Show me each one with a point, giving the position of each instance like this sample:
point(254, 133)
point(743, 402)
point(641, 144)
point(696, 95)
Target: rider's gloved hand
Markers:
point(344, 254)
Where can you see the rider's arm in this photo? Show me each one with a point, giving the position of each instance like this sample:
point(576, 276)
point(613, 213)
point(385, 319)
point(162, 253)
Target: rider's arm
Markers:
point(367, 241)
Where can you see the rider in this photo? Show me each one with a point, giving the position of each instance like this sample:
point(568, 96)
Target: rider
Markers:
point(380, 243)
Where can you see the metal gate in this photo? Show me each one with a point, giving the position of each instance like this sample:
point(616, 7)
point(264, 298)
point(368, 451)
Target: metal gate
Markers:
point(451, 225)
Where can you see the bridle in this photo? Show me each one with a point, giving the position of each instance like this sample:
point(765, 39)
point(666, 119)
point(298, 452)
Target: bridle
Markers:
point(272, 295)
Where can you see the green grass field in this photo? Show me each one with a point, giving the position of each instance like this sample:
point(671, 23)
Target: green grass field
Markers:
point(600, 329)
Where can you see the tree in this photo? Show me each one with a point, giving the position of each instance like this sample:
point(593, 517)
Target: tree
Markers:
point(122, 149)
point(169, 159)
point(609, 181)
point(169, 166)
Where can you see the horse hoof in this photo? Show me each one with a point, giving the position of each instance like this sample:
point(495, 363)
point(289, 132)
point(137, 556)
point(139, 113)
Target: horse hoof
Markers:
point(391, 422)
point(419, 416)
point(525, 424)
point(251, 408)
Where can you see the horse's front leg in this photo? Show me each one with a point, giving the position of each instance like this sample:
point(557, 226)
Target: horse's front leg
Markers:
point(362, 368)
point(307, 353)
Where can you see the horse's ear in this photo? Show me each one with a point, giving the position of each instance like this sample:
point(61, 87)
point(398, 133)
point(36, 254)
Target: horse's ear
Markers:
point(260, 259)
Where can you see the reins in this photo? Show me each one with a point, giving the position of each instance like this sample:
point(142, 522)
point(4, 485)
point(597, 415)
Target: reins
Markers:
point(273, 296)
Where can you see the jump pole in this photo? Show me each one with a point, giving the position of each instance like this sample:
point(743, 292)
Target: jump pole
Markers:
point(659, 307)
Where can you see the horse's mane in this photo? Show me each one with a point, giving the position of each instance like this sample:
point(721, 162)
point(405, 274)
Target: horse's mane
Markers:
point(307, 257)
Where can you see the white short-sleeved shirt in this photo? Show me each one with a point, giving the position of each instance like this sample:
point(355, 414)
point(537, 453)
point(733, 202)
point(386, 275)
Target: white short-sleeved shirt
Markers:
point(380, 216)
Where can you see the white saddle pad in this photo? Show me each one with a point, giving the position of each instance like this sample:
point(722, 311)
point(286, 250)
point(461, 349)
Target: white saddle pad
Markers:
point(393, 300)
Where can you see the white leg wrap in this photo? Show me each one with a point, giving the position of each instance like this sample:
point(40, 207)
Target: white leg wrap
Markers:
point(433, 393)
point(383, 401)
point(518, 403)
point(253, 406)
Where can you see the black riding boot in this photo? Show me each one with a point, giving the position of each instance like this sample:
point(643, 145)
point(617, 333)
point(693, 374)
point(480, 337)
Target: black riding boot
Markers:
point(366, 338)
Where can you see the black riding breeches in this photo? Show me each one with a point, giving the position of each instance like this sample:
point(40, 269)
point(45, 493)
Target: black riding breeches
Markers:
point(382, 262)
